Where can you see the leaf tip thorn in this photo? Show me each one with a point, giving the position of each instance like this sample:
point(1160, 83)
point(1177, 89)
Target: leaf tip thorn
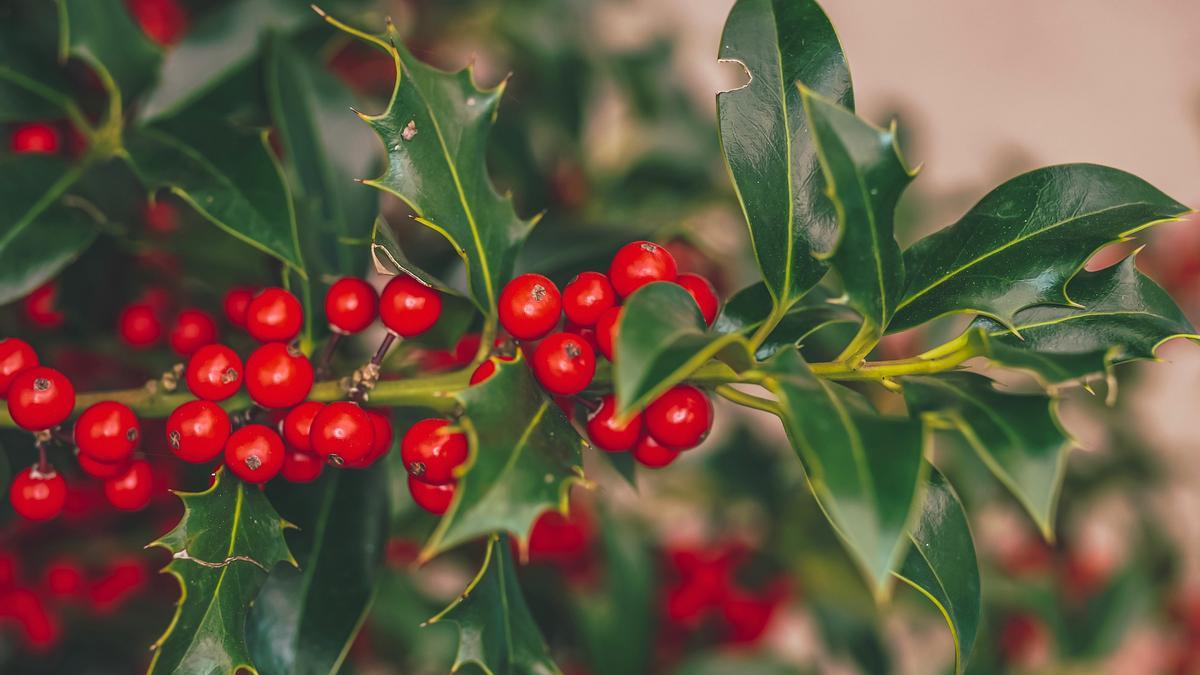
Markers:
point(320, 12)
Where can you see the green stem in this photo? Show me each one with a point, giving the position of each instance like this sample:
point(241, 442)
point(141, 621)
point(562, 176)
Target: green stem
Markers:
point(862, 344)
point(768, 325)
point(741, 398)
point(946, 357)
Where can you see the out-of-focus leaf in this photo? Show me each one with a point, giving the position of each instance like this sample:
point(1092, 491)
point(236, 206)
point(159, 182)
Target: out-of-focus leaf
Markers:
point(33, 85)
point(103, 33)
point(41, 250)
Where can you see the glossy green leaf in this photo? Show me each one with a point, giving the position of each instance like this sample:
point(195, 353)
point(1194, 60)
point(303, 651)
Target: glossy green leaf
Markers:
point(305, 619)
point(865, 176)
point(230, 178)
point(1123, 316)
point(1018, 436)
point(525, 456)
point(33, 85)
point(765, 135)
point(28, 186)
point(228, 540)
point(747, 309)
point(435, 130)
point(941, 564)
point(661, 339)
point(41, 250)
point(1022, 243)
point(102, 32)
point(390, 259)
point(496, 632)
point(864, 468)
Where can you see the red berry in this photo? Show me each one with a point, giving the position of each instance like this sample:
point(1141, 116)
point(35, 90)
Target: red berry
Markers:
point(139, 326)
point(274, 315)
point(530, 306)
point(381, 426)
point(15, 356)
point(564, 363)
point(161, 217)
point(40, 398)
point(278, 376)
point(41, 308)
point(197, 431)
point(680, 418)
point(254, 453)
point(639, 263)
point(342, 432)
point(606, 433)
point(301, 467)
point(649, 452)
point(193, 329)
point(214, 372)
point(466, 348)
point(431, 451)
point(236, 304)
point(98, 469)
point(408, 307)
point(38, 495)
point(588, 334)
point(351, 305)
point(587, 297)
point(107, 432)
point(703, 293)
point(297, 425)
point(433, 498)
point(606, 331)
point(35, 138)
point(131, 489)
point(487, 369)
point(64, 578)
point(163, 21)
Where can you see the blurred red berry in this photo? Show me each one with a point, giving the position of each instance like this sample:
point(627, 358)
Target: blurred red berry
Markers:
point(161, 217)
point(703, 293)
point(15, 356)
point(650, 453)
point(193, 329)
point(236, 304)
point(433, 498)
point(606, 331)
point(163, 21)
point(35, 138)
point(139, 326)
point(301, 467)
point(131, 490)
point(41, 308)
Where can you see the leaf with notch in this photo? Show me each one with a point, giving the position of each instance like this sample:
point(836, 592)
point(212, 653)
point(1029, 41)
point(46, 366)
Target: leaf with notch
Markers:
point(662, 338)
point(942, 566)
point(765, 136)
point(524, 458)
point(496, 631)
point(222, 549)
point(102, 32)
point(1018, 436)
point(1022, 243)
point(865, 176)
point(435, 130)
point(1124, 316)
point(864, 468)
point(748, 309)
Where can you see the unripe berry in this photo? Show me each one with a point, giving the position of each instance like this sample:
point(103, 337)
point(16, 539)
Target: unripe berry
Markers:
point(431, 451)
point(351, 304)
point(277, 376)
point(564, 363)
point(606, 433)
point(587, 297)
point(433, 498)
point(530, 306)
point(15, 356)
point(214, 373)
point(197, 431)
point(408, 307)
point(274, 315)
point(342, 432)
point(639, 263)
point(139, 326)
point(254, 453)
point(40, 398)
point(703, 293)
point(680, 418)
point(131, 489)
point(107, 432)
point(193, 329)
point(38, 495)
point(297, 425)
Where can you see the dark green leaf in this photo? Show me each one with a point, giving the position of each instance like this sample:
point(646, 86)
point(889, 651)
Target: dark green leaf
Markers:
point(1017, 436)
point(435, 130)
point(765, 136)
point(28, 186)
point(662, 339)
point(222, 549)
point(747, 309)
point(865, 177)
point(103, 33)
point(33, 85)
point(941, 564)
point(865, 469)
point(1022, 243)
point(41, 250)
point(496, 630)
point(390, 259)
point(525, 456)
point(1123, 316)
point(304, 620)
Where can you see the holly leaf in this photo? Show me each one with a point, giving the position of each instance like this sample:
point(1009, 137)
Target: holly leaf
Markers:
point(525, 456)
point(228, 540)
point(747, 310)
point(33, 85)
point(41, 251)
point(1018, 436)
point(1022, 243)
point(766, 140)
point(864, 468)
point(102, 33)
point(305, 619)
point(435, 130)
point(1123, 316)
point(941, 564)
point(496, 631)
point(865, 176)
point(661, 339)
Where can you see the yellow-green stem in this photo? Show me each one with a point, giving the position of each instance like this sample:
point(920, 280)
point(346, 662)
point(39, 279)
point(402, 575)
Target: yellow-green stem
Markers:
point(742, 398)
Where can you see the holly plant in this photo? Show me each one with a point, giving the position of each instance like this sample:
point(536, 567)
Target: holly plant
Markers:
point(498, 382)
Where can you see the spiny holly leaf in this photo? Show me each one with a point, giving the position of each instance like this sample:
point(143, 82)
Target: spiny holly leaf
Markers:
point(228, 540)
point(435, 130)
point(661, 340)
point(496, 632)
point(1017, 436)
point(305, 619)
point(865, 469)
point(1123, 316)
point(103, 33)
point(765, 135)
point(941, 564)
point(525, 456)
point(746, 311)
point(1022, 243)
point(865, 177)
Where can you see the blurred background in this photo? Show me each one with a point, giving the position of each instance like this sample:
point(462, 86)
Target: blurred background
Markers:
point(722, 562)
